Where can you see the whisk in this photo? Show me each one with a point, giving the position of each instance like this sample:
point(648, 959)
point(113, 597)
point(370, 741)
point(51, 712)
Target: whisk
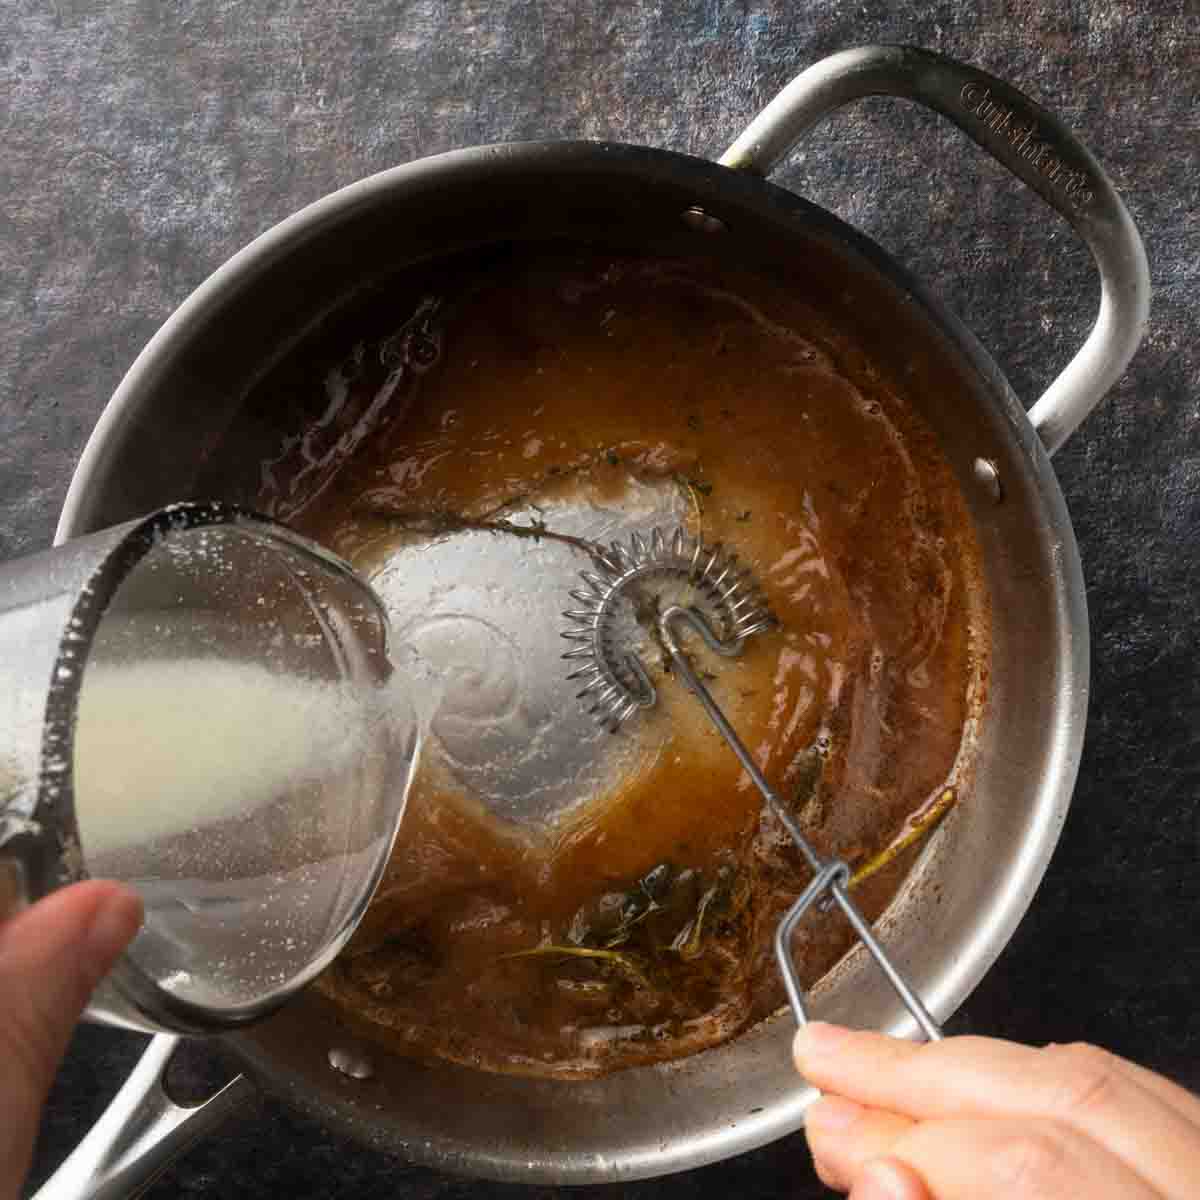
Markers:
point(626, 584)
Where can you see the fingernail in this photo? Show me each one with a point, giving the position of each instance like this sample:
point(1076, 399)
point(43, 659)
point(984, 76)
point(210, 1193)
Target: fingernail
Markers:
point(111, 930)
point(883, 1180)
point(816, 1040)
point(831, 1116)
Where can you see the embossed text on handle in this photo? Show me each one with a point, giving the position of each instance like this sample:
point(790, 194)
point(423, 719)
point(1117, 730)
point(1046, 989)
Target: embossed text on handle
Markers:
point(1023, 136)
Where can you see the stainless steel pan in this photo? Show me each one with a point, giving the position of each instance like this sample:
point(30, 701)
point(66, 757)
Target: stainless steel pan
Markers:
point(977, 877)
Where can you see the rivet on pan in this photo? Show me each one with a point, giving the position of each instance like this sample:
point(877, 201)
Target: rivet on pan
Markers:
point(351, 1062)
point(696, 218)
point(988, 477)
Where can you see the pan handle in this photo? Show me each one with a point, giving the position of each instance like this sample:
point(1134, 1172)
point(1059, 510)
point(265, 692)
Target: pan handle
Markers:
point(141, 1133)
point(1035, 146)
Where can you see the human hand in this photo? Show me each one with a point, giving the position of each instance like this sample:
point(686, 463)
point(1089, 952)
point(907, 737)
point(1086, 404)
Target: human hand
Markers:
point(52, 955)
point(991, 1120)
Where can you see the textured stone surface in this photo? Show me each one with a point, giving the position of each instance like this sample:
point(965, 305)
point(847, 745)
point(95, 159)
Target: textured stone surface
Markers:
point(143, 141)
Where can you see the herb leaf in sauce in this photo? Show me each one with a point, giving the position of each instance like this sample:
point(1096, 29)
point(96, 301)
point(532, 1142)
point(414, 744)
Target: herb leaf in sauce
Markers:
point(626, 963)
point(916, 829)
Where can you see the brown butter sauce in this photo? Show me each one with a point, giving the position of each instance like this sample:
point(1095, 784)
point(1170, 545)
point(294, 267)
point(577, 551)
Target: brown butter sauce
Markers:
point(572, 370)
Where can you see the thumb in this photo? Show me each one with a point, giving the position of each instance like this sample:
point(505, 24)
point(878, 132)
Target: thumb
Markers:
point(51, 957)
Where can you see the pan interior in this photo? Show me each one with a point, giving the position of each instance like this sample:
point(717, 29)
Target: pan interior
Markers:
point(563, 901)
point(190, 416)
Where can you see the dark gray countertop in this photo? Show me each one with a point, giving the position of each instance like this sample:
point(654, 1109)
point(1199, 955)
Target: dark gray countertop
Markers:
point(143, 143)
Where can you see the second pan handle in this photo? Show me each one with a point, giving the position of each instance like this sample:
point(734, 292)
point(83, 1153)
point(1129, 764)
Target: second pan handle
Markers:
point(141, 1133)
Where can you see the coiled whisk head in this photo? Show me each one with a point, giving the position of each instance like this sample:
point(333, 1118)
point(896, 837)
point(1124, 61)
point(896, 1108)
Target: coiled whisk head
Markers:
point(625, 588)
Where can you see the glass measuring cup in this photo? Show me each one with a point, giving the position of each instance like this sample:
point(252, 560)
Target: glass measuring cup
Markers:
point(201, 703)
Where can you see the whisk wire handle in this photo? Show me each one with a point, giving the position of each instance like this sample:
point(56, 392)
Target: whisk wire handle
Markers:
point(830, 877)
point(833, 878)
point(615, 686)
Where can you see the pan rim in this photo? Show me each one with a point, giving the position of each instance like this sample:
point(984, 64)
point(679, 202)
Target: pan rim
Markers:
point(710, 182)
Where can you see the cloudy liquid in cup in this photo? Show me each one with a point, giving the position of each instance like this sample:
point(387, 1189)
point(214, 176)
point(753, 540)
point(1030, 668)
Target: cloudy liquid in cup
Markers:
point(168, 748)
point(246, 806)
